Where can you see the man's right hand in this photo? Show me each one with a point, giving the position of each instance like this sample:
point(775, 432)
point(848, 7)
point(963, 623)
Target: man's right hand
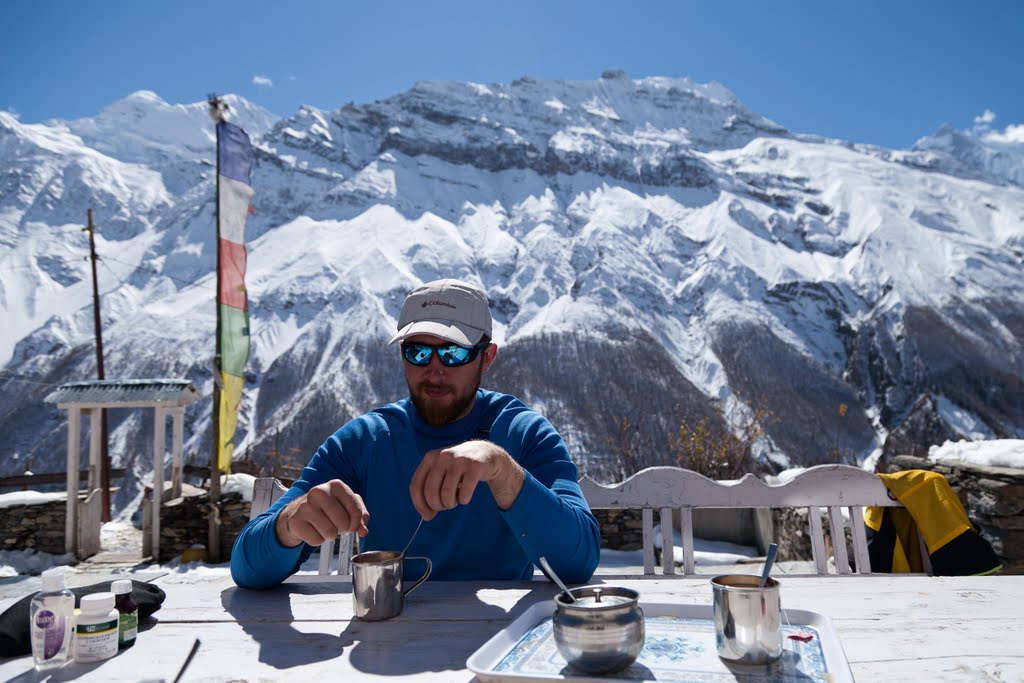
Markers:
point(321, 514)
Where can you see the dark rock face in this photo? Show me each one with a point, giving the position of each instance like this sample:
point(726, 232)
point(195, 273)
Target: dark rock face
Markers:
point(954, 355)
point(922, 426)
point(804, 397)
point(584, 384)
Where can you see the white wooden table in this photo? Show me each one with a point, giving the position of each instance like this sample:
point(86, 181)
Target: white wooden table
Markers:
point(891, 628)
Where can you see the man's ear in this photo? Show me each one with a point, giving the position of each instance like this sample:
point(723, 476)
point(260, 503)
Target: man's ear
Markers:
point(490, 353)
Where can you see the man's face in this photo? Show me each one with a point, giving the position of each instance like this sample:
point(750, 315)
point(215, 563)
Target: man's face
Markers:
point(442, 394)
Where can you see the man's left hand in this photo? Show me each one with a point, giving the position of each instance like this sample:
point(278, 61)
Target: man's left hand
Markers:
point(448, 477)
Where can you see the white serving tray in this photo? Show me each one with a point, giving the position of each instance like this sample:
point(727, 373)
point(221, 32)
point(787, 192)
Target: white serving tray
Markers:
point(679, 647)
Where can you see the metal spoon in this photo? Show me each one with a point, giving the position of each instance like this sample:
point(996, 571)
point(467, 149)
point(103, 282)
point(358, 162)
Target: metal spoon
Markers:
point(554, 577)
point(773, 549)
point(413, 536)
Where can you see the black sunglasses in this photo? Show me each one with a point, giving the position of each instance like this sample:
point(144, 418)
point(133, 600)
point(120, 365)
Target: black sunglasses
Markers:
point(450, 355)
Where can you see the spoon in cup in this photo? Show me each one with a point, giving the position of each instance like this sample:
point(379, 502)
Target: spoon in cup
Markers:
point(773, 549)
point(413, 536)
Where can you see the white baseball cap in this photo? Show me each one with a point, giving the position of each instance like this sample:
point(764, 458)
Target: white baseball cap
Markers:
point(449, 309)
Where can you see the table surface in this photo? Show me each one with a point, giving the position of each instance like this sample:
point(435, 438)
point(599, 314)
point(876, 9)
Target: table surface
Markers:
point(892, 628)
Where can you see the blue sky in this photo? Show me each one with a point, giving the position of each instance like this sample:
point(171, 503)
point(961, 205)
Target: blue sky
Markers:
point(882, 72)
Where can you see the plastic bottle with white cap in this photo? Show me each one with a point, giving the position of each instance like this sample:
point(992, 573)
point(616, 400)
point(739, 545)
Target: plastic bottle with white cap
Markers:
point(51, 621)
point(97, 628)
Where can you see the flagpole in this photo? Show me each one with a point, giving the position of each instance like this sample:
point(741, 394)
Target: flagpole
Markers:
point(217, 108)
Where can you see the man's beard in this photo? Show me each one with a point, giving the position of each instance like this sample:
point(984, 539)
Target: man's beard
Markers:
point(439, 412)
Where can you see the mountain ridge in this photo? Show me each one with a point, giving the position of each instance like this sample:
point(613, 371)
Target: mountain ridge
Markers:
point(754, 267)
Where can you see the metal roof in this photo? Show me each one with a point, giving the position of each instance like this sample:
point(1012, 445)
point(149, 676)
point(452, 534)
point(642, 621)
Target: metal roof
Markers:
point(124, 392)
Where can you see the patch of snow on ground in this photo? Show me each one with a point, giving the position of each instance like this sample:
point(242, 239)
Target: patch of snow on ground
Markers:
point(29, 498)
point(238, 483)
point(15, 562)
point(706, 552)
point(995, 453)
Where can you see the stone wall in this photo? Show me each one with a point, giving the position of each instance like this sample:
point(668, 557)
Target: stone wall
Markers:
point(993, 498)
point(184, 522)
point(621, 529)
point(39, 526)
point(790, 531)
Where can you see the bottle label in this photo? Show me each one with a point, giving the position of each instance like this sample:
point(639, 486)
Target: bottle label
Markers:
point(53, 632)
point(128, 628)
point(97, 629)
point(95, 641)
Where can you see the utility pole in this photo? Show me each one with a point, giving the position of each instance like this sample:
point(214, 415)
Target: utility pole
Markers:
point(104, 453)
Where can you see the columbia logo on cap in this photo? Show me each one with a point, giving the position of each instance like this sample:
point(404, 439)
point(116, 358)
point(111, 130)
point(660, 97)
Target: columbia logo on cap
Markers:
point(435, 302)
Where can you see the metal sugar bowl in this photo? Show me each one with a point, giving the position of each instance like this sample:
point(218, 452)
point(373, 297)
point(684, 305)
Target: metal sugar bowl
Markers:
point(602, 631)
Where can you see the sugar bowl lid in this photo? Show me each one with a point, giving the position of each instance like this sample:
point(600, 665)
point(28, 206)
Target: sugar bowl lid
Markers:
point(598, 598)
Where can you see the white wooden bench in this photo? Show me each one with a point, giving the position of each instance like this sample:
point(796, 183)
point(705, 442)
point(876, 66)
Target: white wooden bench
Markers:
point(339, 551)
point(828, 487)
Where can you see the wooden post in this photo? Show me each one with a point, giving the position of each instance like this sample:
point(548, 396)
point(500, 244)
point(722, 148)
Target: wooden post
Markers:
point(177, 433)
point(95, 463)
point(104, 479)
point(70, 527)
point(159, 450)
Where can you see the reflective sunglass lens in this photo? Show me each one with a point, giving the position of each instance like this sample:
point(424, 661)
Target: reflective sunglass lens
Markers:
point(417, 354)
point(455, 355)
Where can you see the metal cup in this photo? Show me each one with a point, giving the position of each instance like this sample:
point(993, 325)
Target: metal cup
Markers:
point(748, 619)
point(377, 583)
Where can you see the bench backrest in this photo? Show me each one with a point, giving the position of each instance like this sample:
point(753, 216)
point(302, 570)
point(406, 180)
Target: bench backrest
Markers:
point(824, 487)
point(339, 551)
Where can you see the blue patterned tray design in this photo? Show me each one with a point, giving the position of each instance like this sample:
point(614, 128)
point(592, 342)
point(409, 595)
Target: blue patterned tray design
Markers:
point(676, 650)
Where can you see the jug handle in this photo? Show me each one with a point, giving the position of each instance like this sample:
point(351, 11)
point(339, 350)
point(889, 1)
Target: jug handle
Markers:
point(430, 565)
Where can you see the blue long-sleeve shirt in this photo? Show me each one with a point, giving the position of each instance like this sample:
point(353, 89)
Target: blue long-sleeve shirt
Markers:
point(377, 453)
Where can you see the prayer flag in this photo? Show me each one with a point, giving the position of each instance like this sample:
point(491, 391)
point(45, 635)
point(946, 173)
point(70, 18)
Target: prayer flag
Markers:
point(234, 192)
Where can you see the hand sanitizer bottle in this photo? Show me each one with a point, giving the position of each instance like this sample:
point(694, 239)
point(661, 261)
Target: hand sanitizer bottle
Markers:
point(51, 617)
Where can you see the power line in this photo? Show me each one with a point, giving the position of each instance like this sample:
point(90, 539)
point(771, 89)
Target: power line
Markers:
point(38, 267)
point(23, 378)
point(137, 266)
point(142, 266)
point(112, 273)
point(51, 229)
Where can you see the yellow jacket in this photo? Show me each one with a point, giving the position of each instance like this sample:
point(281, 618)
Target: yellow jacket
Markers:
point(931, 508)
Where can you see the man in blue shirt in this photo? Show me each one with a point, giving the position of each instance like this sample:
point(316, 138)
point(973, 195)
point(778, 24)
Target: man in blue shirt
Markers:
point(491, 479)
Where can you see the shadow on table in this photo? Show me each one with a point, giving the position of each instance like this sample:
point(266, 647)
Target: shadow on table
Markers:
point(416, 641)
point(267, 617)
point(423, 638)
point(66, 673)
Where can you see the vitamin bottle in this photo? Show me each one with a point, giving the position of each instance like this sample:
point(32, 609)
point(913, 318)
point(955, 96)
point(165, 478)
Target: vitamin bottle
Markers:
point(96, 630)
point(51, 621)
point(128, 613)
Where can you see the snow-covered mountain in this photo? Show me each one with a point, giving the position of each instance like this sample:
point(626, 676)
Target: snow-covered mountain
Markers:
point(654, 251)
